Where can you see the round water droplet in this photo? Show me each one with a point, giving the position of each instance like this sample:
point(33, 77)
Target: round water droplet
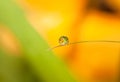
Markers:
point(63, 40)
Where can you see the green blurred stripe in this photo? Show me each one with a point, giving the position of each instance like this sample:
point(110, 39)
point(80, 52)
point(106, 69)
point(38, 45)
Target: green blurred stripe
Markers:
point(47, 66)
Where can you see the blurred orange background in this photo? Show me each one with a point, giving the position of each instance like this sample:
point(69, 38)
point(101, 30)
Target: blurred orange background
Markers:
point(55, 18)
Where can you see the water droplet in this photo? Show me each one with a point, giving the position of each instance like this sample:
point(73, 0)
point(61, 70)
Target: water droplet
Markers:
point(63, 40)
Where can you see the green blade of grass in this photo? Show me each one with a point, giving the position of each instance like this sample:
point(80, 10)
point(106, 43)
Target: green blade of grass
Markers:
point(47, 66)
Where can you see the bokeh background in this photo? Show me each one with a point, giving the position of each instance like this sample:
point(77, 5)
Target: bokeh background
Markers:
point(80, 20)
